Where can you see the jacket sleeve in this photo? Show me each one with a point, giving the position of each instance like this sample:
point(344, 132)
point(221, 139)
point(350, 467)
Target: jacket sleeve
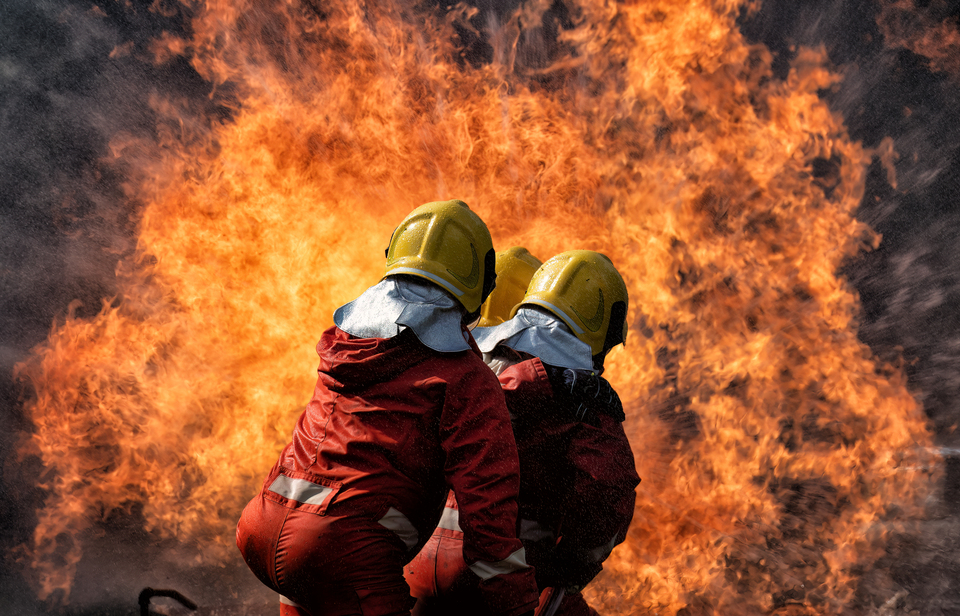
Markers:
point(526, 386)
point(482, 468)
point(600, 501)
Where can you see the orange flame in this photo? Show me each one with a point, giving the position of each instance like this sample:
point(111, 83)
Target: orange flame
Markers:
point(776, 453)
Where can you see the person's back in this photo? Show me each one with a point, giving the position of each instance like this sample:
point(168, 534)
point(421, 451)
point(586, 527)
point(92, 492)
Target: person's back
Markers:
point(404, 409)
point(377, 423)
point(577, 471)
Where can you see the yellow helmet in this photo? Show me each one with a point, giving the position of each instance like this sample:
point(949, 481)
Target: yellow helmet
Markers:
point(515, 268)
point(586, 292)
point(446, 243)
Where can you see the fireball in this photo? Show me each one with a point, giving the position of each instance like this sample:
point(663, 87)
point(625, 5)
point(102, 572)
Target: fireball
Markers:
point(777, 454)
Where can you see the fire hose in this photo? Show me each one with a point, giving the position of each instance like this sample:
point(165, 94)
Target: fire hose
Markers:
point(549, 607)
point(148, 593)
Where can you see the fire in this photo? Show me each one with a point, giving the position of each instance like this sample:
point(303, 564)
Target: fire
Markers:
point(776, 454)
point(923, 32)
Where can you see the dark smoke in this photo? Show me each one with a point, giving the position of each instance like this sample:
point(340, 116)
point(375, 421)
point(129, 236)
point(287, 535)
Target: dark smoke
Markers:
point(77, 79)
point(55, 125)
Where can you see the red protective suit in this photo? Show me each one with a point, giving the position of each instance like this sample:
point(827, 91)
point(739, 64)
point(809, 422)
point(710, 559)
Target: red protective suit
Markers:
point(391, 427)
point(577, 483)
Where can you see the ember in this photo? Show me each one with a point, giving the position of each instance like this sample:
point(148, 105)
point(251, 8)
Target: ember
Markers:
point(778, 455)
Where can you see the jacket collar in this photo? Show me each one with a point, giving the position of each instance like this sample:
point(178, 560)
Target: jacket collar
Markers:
point(540, 334)
point(395, 304)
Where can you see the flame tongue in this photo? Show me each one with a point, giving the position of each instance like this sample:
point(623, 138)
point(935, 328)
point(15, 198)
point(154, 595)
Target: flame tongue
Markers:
point(776, 455)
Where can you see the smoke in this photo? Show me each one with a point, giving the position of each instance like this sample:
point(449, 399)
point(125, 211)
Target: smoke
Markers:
point(78, 84)
point(55, 127)
point(928, 29)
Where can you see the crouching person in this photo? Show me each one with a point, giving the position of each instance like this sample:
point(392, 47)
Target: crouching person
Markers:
point(577, 472)
point(403, 411)
point(438, 576)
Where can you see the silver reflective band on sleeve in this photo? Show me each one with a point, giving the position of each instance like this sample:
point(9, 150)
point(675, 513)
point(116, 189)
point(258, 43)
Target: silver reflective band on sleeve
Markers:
point(450, 519)
point(530, 530)
point(401, 526)
point(600, 554)
point(300, 490)
point(514, 562)
point(286, 601)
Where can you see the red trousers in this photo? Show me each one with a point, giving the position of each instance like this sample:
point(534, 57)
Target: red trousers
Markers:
point(324, 565)
point(444, 585)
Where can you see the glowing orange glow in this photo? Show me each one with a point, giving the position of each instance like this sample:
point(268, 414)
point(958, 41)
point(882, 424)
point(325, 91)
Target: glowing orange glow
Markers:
point(904, 24)
point(776, 455)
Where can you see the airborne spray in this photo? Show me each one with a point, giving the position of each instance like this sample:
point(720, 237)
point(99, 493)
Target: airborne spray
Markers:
point(780, 456)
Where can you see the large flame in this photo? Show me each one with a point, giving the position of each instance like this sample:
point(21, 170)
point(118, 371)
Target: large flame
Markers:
point(776, 453)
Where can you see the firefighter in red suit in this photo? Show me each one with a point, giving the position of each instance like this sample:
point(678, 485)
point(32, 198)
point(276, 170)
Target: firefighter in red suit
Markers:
point(577, 470)
point(403, 411)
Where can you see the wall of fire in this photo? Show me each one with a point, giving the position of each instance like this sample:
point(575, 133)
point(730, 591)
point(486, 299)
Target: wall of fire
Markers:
point(71, 76)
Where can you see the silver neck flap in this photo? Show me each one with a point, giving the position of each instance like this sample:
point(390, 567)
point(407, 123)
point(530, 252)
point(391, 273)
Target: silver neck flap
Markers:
point(395, 304)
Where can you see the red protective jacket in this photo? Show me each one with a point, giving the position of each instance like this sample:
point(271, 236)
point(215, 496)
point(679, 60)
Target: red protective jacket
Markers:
point(392, 426)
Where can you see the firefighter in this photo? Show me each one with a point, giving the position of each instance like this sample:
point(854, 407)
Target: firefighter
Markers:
point(440, 564)
point(515, 267)
point(577, 471)
point(403, 411)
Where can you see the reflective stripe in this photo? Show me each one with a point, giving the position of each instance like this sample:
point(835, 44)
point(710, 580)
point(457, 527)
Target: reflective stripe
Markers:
point(530, 530)
point(437, 279)
point(401, 525)
point(286, 601)
point(515, 562)
point(300, 490)
point(450, 519)
point(600, 554)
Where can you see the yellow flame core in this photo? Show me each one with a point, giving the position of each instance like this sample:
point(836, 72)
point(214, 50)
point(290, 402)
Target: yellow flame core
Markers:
point(775, 453)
